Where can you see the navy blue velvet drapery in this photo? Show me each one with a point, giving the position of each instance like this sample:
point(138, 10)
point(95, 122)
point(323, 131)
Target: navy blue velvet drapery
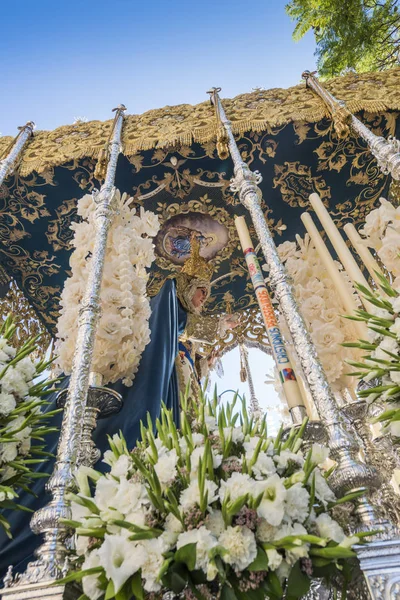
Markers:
point(155, 381)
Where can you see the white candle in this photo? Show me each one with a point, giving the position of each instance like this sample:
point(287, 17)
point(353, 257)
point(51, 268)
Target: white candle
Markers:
point(340, 285)
point(286, 372)
point(363, 252)
point(345, 256)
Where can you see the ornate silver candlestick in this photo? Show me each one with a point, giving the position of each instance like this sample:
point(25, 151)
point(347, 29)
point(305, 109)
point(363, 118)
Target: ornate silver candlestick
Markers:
point(8, 162)
point(52, 555)
point(386, 152)
point(101, 403)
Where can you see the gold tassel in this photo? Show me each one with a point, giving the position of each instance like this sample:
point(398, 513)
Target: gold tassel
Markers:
point(101, 165)
point(341, 118)
point(243, 375)
point(222, 143)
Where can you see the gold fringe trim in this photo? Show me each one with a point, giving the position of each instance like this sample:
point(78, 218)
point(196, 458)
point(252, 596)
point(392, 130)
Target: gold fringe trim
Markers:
point(261, 110)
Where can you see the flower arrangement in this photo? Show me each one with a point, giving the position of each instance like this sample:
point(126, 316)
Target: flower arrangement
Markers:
point(320, 307)
point(123, 331)
point(381, 360)
point(216, 509)
point(381, 232)
point(21, 418)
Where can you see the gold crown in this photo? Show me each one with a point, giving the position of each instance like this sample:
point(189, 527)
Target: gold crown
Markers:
point(197, 266)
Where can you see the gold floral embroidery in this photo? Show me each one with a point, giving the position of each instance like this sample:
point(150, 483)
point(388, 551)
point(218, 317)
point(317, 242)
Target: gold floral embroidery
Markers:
point(184, 124)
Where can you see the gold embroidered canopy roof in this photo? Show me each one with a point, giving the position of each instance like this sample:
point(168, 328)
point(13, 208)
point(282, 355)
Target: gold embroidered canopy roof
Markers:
point(171, 167)
point(184, 124)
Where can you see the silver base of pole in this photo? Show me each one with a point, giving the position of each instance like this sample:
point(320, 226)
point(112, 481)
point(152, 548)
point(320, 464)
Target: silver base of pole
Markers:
point(380, 563)
point(102, 402)
point(41, 591)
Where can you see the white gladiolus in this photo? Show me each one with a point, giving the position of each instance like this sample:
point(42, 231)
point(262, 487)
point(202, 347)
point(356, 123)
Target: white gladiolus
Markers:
point(272, 503)
point(120, 558)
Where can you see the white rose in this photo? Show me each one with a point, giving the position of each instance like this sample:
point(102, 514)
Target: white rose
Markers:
point(395, 328)
point(13, 383)
point(204, 541)
point(326, 335)
point(287, 250)
point(241, 547)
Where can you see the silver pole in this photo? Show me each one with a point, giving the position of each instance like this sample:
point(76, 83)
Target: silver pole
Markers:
point(52, 555)
point(7, 164)
point(386, 152)
point(350, 474)
point(254, 404)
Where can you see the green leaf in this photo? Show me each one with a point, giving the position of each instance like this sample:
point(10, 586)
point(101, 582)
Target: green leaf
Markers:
point(227, 593)
point(136, 586)
point(260, 563)
point(110, 591)
point(298, 583)
point(187, 556)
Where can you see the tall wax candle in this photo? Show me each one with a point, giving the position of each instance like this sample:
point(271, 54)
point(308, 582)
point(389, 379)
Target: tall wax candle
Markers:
point(338, 281)
point(283, 363)
point(345, 256)
point(363, 252)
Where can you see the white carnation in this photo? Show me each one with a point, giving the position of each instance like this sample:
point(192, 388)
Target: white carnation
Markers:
point(165, 467)
point(282, 459)
point(152, 563)
point(274, 559)
point(297, 503)
point(204, 541)
point(215, 523)
point(90, 583)
point(322, 490)
point(264, 466)
point(329, 528)
point(8, 452)
point(241, 547)
point(191, 495)
point(237, 486)
point(265, 531)
point(121, 466)
point(7, 403)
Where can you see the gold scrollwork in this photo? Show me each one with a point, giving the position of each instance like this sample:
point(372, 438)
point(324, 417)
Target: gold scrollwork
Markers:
point(184, 124)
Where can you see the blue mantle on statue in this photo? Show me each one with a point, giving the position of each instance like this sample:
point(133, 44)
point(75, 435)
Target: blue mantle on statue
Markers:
point(155, 381)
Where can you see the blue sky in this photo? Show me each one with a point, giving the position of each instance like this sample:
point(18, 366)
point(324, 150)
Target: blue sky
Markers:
point(64, 59)
point(72, 58)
